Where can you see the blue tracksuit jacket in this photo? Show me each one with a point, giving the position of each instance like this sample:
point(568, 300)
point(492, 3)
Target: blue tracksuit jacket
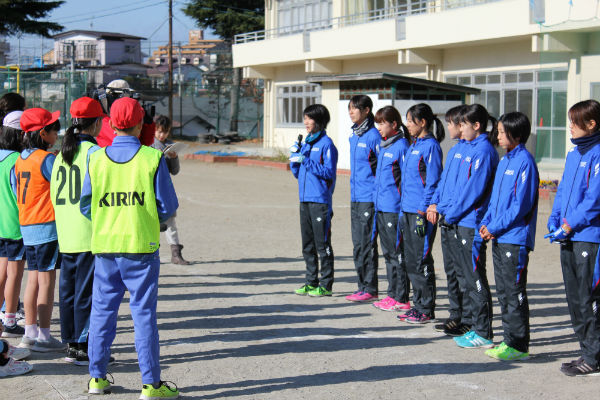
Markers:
point(445, 189)
point(317, 173)
point(474, 182)
point(420, 174)
point(512, 212)
point(364, 150)
point(389, 175)
point(578, 196)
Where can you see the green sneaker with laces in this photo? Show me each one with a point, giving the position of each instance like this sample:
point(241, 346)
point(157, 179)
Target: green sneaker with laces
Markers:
point(319, 292)
point(303, 291)
point(506, 353)
point(99, 386)
point(164, 391)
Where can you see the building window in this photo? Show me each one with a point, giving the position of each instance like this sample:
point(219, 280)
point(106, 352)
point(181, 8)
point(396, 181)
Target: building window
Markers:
point(295, 16)
point(89, 51)
point(380, 9)
point(129, 49)
point(541, 95)
point(292, 100)
point(67, 50)
point(595, 91)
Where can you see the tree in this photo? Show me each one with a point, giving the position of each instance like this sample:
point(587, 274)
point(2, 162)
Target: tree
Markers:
point(22, 16)
point(228, 18)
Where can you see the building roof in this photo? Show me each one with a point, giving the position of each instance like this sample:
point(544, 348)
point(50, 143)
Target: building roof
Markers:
point(393, 77)
point(98, 34)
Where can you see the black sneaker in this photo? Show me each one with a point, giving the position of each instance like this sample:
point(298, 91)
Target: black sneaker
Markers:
point(457, 330)
point(582, 369)
point(71, 353)
point(449, 323)
point(571, 363)
point(83, 359)
point(13, 331)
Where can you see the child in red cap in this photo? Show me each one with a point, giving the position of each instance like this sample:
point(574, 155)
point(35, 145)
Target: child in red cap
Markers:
point(33, 171)
point(126, 193)
point(74, 230)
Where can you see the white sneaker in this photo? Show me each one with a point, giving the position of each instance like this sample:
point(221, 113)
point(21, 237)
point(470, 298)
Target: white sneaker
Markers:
point(13, 368)
point(18, 353)
point(45, 346)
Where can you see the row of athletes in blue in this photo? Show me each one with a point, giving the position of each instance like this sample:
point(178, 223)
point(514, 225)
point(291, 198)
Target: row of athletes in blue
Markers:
point(400, 194)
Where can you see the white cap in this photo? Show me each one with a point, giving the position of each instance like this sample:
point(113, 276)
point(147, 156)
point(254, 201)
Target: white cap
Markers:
point(13, 120)
point(118, 84)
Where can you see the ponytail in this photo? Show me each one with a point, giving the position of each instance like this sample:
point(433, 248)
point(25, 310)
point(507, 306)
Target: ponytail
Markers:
point(493, 131)
point(405, 133)
point(70, 144)
point(439, 133)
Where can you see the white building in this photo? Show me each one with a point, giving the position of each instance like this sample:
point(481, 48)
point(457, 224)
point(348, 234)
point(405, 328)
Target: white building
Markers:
point(535, 56)
point(92, 48)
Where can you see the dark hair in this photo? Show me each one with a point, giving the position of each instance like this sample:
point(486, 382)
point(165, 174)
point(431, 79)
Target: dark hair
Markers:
point(163, 122)
point(422, 111)
point(34, 139)
point(390, 114)
point(453, 114)
point(477, 113)
point(70, 143)
point(585, 111)
point(362, 102)
point(516, 126)
point(11, 102)
point(11, 139)
point(319, 114)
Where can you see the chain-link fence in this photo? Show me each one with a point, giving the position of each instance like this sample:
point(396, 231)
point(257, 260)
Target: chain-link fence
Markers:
point(52, 90)
point(201, 108)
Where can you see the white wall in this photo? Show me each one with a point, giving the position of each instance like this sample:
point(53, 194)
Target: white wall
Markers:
point(345, 125)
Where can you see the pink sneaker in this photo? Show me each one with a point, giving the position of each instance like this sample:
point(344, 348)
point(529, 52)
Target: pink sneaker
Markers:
point(365, 297)
point(353, 296)
point(402, 306)
point(383, 304)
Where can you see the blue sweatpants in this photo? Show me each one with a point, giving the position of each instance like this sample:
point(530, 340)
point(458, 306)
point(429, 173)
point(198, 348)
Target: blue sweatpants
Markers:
point(115, 273)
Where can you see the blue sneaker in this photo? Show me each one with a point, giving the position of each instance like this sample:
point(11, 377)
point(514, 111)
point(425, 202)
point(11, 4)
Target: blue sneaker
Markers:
point(471, 340)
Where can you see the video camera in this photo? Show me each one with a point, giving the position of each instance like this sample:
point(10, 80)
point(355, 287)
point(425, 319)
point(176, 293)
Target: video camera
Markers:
point(107, 95)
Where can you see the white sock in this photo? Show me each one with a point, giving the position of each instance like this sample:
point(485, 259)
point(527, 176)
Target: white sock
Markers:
point(31, 331)
point(9, 319)
point(44, 334)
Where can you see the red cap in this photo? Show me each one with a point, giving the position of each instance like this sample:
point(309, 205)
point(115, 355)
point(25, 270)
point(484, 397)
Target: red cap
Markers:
point(86, 107)
point(126, 113)
point(34, 119)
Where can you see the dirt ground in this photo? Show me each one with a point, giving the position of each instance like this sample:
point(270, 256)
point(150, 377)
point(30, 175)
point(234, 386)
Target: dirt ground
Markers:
point(231, 327)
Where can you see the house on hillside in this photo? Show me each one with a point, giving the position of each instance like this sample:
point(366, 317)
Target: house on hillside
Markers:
point(106, 55)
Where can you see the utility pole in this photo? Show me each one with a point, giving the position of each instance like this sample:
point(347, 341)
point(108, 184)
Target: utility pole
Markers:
point(170, 56)
point(179, 90)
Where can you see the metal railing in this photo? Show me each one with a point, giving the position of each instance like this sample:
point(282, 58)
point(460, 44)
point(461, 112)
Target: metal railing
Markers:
point(410, 7)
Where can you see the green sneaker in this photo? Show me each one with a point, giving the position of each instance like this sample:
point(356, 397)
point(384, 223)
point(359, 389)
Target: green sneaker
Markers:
point(99, 385)
point(506, 353)
point(319, 292)
point(164, 391)
point(304, 290)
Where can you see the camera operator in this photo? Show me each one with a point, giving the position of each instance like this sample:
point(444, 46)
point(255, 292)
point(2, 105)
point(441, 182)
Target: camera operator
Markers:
point(114, 90)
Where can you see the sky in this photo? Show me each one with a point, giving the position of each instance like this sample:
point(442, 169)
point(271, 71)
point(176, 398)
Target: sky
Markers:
point(145, 18)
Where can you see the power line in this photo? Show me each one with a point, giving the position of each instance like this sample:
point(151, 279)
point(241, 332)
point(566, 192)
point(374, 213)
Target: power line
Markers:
point(113, 13)
point(102, 10)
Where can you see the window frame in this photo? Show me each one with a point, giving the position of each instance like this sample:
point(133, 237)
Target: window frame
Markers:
point(292, 95)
